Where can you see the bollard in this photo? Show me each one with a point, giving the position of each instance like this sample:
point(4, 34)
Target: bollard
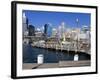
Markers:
point(40, 58)
point(76, 57)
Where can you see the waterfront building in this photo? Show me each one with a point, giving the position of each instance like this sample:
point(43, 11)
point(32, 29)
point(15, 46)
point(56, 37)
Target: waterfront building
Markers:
point(85, 29)
point(68, 33)
point(54, 32)
point(74, 33)
point(38, 33)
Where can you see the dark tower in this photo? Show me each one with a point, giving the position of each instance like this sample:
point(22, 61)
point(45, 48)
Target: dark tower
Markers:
point(31, 30)
point(27, 23)
point(45, 30)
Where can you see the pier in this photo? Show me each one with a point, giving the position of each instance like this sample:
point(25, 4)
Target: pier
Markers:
point(67, 47)
point(55, 44)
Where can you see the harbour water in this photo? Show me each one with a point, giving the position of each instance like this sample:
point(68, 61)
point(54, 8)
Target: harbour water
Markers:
point(30, 55)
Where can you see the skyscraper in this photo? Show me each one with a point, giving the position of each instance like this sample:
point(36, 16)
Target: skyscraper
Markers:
point(63, 31)
point(31, 30)
point(49, 31)
point(45, 30)
point(25, 25)
point(54, 32)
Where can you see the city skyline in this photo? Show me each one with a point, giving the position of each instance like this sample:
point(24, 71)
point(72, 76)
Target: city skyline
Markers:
point(40, 18)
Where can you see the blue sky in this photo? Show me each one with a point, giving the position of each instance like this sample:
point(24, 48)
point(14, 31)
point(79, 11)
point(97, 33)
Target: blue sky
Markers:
point(39, 18)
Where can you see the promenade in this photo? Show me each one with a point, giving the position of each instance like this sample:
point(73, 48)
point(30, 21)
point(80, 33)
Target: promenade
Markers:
point(61, 64)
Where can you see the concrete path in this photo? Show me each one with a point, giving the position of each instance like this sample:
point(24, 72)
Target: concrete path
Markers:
point(61, 64)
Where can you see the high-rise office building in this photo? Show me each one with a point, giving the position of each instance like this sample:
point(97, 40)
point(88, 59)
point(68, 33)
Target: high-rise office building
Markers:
point(49, 31)
point(45, 30)
point(54, 32)
point(63, 31)
point(85, 29)
point(25, 25)
point(31, 30)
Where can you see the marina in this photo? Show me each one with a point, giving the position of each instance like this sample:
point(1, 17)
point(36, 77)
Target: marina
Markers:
point(48, 45)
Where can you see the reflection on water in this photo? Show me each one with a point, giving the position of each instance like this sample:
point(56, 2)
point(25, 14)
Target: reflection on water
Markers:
point(30, 55)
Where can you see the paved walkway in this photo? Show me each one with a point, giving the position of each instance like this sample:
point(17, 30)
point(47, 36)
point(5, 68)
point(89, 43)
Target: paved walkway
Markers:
point(61, 64)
